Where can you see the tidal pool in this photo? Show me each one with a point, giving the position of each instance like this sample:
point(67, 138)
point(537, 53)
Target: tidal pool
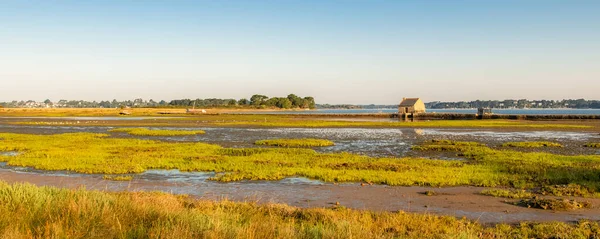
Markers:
point(8, 153)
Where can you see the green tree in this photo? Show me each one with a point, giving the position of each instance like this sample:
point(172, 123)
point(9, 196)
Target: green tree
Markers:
point(284, 103)
point(271, 102)
point(258, 99)
point(310, 102)
point(296, 101)
point(243, 101)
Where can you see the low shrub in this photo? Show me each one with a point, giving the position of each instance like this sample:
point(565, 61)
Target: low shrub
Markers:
point(553, 204)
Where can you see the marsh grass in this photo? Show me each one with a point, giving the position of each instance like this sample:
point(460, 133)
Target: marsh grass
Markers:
point(446, 145)
point(47, 212)
point(507, 193)
point(296, 143)
point(117, 178)
point(149, 132)
point(592, 145)
point(557, 204)
point(532, 144)
point(483, 166)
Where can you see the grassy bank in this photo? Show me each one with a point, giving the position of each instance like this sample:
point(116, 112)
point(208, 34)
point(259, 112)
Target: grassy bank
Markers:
point(532, 144)
point(483, 166)
point(296, 143)
point(86, 112)
point(46, 212)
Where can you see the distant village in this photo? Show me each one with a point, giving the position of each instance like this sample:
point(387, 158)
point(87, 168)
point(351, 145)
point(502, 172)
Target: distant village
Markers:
point(495, 104)
point(518, 104)
point(83, 104)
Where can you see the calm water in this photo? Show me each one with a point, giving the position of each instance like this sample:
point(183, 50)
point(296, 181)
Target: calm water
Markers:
point(463, 111)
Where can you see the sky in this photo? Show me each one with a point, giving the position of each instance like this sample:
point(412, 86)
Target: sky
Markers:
point(340, 52)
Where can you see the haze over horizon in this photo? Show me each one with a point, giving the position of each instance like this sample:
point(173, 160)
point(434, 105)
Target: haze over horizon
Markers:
point(340, 52)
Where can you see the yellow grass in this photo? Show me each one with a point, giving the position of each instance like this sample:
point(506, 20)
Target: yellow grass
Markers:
point(47, 212)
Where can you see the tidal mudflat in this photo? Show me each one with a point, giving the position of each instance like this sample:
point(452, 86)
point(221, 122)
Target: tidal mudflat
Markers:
point(429, 170)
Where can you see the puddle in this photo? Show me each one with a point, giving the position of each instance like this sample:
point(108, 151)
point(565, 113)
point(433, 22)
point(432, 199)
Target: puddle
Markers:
point(8, 153)
point(298, 180)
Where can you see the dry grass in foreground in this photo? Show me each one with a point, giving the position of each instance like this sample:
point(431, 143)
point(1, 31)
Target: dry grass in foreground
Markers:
point(47, 212)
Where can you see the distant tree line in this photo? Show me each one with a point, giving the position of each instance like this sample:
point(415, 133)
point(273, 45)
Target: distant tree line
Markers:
point(522, 103)
point(256, 101)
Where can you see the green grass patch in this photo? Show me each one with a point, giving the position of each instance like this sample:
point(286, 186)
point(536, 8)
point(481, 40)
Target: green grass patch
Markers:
point(48, 212)
point(507, 193)
point(532, 144)
point(149, 132)
point(117, 178)
point(557, 204)
point(446, 145)
point(296, 143)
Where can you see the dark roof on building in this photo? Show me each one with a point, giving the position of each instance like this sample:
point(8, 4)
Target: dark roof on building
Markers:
point(409, 101)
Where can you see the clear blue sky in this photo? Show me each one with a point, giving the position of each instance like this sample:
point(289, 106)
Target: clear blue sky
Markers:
point(337, 51)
